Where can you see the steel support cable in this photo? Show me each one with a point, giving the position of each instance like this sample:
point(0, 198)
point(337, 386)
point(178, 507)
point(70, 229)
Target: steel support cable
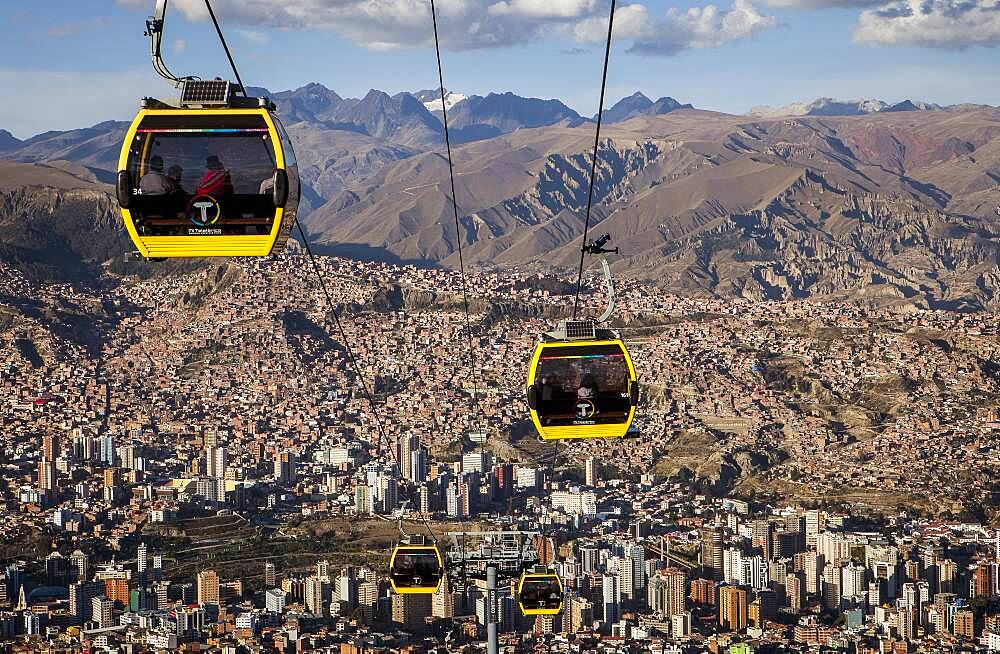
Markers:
point(593, 163)
point(225, 46)
point(458, 228)
point(352, 359)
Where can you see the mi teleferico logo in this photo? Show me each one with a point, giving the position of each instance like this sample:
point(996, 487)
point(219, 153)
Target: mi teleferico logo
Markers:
point(203, 210)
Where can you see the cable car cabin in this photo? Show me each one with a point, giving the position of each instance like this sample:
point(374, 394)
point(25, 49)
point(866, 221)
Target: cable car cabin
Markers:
point(416, 569)
point(540, 594)
point(217, 182)
point(582, 387)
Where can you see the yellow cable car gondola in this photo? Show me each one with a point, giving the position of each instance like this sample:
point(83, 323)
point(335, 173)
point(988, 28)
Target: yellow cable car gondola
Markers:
point(213, 176)
point(581, 381)
point(207, 182)
point(540, 594)
point(583, 386)
point(416, 569)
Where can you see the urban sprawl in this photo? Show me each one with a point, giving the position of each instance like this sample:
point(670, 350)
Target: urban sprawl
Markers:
point(191, 462)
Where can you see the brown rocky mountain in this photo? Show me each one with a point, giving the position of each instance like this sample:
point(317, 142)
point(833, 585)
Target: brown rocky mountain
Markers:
point(898, 206)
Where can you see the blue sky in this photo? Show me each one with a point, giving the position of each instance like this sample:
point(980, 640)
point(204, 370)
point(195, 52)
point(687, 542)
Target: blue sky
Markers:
point(68, 63)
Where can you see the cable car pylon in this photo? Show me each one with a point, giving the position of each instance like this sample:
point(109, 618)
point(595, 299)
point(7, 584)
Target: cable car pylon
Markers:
point(509, 554)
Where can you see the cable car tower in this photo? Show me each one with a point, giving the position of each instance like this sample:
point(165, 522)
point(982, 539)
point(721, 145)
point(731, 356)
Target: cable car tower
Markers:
point(510, 554)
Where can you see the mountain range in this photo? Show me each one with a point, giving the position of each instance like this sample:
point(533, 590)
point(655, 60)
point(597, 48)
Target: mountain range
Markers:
point(893, 204)
point(832, 107)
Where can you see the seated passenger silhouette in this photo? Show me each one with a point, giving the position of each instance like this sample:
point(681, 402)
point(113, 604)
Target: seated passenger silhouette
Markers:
point(154, 182)
point(215, 181)
point(588, 388)
point(547, 389)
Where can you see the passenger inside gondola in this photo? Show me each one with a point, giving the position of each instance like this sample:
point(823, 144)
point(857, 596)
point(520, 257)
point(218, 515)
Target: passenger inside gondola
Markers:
point(155, 182)
point(416, 568)
point(216, 180)
point(598, 374)
point(232, 165)
point(541, 594)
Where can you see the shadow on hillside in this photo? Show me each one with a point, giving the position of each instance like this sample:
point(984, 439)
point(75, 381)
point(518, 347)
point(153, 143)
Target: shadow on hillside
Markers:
point(364, 252)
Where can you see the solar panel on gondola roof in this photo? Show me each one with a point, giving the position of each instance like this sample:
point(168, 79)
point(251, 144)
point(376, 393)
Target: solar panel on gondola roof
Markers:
point(214, 92)
point(580, 329)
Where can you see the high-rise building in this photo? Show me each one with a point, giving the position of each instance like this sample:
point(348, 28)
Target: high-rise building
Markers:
point(761, 536)
point(57, 570)
point(116, 590)
point(711, 552)
point(637, 563)
point(419, 468)
point(754, 618)
point(811, 564)
point(406, 444)
point(834, 547)
point(883, 561)
point(347, 587)
point(965, 624)
point(589, 557)
point(947, 572)
point(732, 608)
point(984, 579)
point(81, 564)
point(102, 612)
point(854, 580)
point(590, 472)
point(47, 474)
point(388, 492)
point(81, 596)
point(703, 592)
point(504, 474)
point(274, 600)
point(786, 544)
point(795, 591)
point(611, 591)
point(443, 604)
point(216, 462)
point(667, 593)
point(208, 587)
point(768, 601)
point(410, 611)
point(831, 587)
point(367, 597)
point(680, 625)
point(142, 560)
point(284, 468)
point(270, 576)
point(107, 449)
point(456, 501)
point(317, 594)
point(815, 523)
point(51, 447)
point(578, 614)
point(476, 462)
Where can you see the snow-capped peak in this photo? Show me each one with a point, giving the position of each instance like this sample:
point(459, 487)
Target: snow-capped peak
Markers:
point(450, 100)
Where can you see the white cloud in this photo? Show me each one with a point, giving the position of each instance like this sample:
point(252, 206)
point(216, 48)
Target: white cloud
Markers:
point(180, 45)
point(471, 24)
point(697, 27)
point(820, 4)
point(542, 8)
point(954, 24)
point(629, 21)
point(254, 36)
